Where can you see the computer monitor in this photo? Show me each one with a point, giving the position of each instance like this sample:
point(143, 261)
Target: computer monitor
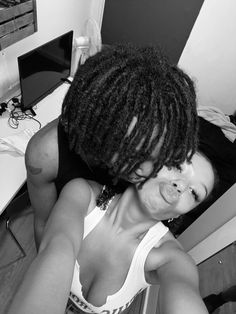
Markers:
point(43, 69)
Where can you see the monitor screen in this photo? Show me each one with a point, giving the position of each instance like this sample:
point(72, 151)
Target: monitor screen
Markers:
point(44, 68)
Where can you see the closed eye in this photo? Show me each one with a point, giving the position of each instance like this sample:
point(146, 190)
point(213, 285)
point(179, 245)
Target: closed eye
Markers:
point(195, 195)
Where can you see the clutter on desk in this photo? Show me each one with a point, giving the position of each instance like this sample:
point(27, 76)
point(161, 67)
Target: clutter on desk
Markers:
point(16, 142)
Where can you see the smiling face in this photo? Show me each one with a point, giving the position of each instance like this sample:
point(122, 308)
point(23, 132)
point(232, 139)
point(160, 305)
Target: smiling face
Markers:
point(174, 192)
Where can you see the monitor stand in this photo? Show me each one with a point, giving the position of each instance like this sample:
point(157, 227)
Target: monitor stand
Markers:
point(26, 109)
point(32, 111)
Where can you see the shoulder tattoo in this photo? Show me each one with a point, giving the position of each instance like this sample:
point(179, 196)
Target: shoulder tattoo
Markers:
point(34, 170)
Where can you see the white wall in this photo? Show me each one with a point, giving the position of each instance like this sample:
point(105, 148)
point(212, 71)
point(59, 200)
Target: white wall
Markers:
point(218, 214)
point(210, 54)
point(54, 17)
point(96, 11)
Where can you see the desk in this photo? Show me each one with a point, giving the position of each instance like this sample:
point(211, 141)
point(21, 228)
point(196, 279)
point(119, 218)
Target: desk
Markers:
point(12, 166)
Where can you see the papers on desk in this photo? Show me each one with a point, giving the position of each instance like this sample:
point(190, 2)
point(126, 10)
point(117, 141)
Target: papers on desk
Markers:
point(17, 142)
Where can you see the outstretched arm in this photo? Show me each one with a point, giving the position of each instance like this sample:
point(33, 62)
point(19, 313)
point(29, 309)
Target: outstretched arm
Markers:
point(46, 286)
point(47, 283)
point(179, 283)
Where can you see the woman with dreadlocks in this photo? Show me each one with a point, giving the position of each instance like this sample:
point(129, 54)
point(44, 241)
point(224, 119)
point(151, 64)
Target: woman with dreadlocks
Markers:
point(102, 251)
point(125, 107)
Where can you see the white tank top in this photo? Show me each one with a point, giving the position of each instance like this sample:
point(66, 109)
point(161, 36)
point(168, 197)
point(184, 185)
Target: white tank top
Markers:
point(135, 281)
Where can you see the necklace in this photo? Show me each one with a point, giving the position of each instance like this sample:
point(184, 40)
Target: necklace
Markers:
point(105, 198)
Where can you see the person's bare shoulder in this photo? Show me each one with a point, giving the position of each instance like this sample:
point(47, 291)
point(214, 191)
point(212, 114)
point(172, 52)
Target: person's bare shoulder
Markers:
point(169, 250)
point(41, 157)
point(78, 194)
point(170, 259)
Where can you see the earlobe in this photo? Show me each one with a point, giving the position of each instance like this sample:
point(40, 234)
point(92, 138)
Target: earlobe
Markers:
point(143, 171)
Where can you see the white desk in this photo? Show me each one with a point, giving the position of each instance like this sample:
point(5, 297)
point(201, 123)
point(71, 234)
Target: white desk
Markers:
point(12, 166)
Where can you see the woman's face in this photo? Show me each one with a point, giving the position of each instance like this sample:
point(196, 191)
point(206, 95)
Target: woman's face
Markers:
point(174, 192)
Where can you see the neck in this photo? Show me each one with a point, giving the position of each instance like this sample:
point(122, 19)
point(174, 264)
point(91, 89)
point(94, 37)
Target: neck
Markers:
point(129, 210)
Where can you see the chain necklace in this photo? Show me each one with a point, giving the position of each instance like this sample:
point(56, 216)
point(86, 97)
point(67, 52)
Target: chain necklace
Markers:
point(105, 198)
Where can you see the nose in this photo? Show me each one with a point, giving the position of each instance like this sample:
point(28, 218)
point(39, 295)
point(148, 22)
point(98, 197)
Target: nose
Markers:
point(180, 185)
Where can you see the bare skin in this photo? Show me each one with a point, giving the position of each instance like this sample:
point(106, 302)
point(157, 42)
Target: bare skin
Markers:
point(102, 279)
point(41, 161)
point(104, 260)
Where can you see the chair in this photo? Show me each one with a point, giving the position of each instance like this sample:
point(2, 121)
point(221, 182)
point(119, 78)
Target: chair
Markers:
point(12, 212)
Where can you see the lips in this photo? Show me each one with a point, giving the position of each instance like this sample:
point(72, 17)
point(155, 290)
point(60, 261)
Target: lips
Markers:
point(168, 192)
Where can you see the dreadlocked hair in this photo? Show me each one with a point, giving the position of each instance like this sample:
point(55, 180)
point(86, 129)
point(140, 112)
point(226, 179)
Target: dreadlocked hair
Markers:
point(122, 102)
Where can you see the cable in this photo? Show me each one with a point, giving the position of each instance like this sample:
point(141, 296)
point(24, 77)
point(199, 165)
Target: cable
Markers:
point(30, 116)
point(16, 114)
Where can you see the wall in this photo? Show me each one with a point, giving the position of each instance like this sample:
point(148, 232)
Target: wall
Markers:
point(54, 18)
point(211, 220)
point(167, 23)
point(97, 11)
point(210, 54)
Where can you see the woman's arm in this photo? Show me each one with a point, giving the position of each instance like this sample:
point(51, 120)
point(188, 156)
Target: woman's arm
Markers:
point(46, 285)
point(179, 282)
